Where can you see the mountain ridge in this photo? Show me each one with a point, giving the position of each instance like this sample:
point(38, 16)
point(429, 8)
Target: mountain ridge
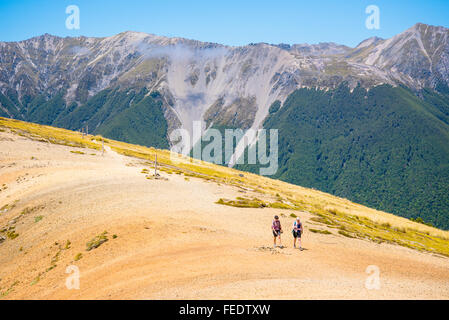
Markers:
point(299, 65)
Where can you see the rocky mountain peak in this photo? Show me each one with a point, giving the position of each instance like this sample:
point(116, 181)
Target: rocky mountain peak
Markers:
point(193, 75)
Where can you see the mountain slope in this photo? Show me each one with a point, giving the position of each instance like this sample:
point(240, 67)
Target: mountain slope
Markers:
point(172, 238)
point(142, 122)
point(120, 86)
point(384, 147)
point(420, 55)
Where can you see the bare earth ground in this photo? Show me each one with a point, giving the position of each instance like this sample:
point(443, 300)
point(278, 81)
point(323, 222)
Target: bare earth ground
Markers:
point(173, 241)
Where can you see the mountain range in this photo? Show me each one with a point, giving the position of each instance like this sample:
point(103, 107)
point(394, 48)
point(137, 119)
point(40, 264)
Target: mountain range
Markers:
point(369, 123)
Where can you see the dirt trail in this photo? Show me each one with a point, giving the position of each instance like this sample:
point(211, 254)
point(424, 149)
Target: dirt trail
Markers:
point(172, 240)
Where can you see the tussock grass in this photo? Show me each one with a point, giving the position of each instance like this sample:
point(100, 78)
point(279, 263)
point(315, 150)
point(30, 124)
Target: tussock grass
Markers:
point(35, 281)
point(346, 234)
point(8, 207)
point(29, 210)
point(97, 241)
point(243, 203)
point(320, 231)
point(48, 134)
point(9, 290)
point(3, 187)
point(11, 234)
point(281, 205)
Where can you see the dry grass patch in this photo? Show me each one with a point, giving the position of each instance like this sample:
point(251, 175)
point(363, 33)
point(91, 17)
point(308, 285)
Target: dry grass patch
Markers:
point(243, 203)
point(97, 241)
point(320, 231)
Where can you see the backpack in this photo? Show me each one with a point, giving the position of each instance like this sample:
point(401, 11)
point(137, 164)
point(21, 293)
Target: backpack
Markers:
point(297, 226)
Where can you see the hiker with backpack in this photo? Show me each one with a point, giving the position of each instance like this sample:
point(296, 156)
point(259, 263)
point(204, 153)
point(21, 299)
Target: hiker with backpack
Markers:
point(277, 230)
point(297, 232)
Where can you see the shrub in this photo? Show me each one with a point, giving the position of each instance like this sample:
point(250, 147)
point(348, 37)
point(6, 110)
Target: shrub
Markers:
point(320, 231)
point(346, 234)
point(243, 203)
point(386, 225)
point(97, 241)
point(35, 280)
point(280, 205)
point(12, 234)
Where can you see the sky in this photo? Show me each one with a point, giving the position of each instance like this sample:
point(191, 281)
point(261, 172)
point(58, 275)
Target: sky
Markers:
point(227, 22)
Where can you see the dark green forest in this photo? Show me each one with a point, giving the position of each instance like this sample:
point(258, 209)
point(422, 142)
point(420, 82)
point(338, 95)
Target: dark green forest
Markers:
point(128, 115)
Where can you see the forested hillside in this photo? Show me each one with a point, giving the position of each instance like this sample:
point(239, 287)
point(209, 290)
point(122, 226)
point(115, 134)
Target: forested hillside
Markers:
point(384, 147)
point(127, 115)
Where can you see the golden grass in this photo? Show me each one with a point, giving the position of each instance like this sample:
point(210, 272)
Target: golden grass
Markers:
point(349, 218)
point(48, 134)
point(97, 241)
point(320, 231)
point(243, 203)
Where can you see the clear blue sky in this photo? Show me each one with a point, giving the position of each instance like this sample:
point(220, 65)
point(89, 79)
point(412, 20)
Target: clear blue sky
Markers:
point(229, 22)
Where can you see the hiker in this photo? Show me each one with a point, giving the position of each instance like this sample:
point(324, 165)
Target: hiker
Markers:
point(297, 232)
point(277, 230)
